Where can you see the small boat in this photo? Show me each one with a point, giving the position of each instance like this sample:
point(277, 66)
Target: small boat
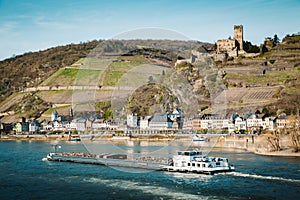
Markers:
point(197, 138)
point(74, 139)
point(194, 161)
point(49, 157)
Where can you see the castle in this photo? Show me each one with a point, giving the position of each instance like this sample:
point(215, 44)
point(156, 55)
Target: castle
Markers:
point(232, 46)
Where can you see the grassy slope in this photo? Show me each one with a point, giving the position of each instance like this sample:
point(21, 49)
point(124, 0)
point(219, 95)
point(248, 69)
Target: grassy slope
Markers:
point(118, 68)
point(271, 77)
point(72, 76)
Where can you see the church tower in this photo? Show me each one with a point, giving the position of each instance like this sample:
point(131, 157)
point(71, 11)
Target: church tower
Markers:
point(238, 36)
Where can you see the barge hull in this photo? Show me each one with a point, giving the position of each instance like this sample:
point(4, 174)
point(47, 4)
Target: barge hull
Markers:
point(109, 162)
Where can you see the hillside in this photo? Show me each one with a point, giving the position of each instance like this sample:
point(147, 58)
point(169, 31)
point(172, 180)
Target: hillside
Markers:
point(270, 80)
point(31, 69)
point(52, 74)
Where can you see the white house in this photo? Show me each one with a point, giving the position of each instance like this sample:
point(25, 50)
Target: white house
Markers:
point(254, 122)
point(282, 121)
point(144, 122)
point(206, 123)
point(214, 122)
point(240, 124)
point(47, 126)
point(99, 124)
point(132, 120)
point(78, 124)
point(268, 123)
point(57, 126)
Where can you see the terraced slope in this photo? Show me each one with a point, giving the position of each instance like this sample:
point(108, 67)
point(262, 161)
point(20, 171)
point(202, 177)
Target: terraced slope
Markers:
point(266, 79)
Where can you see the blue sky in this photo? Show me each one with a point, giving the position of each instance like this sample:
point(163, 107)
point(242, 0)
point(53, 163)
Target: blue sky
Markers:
point(32, 25)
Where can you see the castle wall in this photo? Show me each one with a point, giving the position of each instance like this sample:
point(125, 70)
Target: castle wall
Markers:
point(225, 45)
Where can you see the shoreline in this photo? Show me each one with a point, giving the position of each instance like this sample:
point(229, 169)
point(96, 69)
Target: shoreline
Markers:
point(257, 146)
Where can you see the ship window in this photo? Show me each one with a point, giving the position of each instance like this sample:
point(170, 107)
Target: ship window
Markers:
point(203, 165)
point(189, 164)
point(186, 153)
point(193, 164)
point(198, 165)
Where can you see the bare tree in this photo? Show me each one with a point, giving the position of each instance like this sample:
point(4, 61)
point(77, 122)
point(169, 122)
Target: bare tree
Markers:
point(294, 132)
point(274, 140)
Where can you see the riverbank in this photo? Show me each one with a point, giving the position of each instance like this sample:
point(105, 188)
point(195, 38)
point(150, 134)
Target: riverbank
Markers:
point(64, 137)
point(255, 144)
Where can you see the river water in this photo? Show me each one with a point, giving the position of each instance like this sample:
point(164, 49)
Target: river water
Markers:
point(23, 175)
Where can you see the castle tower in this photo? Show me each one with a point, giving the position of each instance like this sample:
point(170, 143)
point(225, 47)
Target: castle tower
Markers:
point(54, 115)
point(238, 36)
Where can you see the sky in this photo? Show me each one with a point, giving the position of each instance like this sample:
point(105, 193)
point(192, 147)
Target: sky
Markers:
point(33, 25)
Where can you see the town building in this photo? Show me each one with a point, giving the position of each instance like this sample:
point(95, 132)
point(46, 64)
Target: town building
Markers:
point(144, 122)
point(78, 124)
point(99, 124)
point(240, 123)
point(132, 120)
point(254, 122)
point(196, 124)
point(281, 121)
point(160, 122)
point(213, 121)
point(177, 118)
point(34, 126)
point(187, 124)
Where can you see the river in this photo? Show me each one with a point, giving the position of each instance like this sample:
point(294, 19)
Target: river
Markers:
point(24, 175)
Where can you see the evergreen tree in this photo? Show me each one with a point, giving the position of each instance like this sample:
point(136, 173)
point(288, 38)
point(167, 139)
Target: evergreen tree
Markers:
point(275, 40)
